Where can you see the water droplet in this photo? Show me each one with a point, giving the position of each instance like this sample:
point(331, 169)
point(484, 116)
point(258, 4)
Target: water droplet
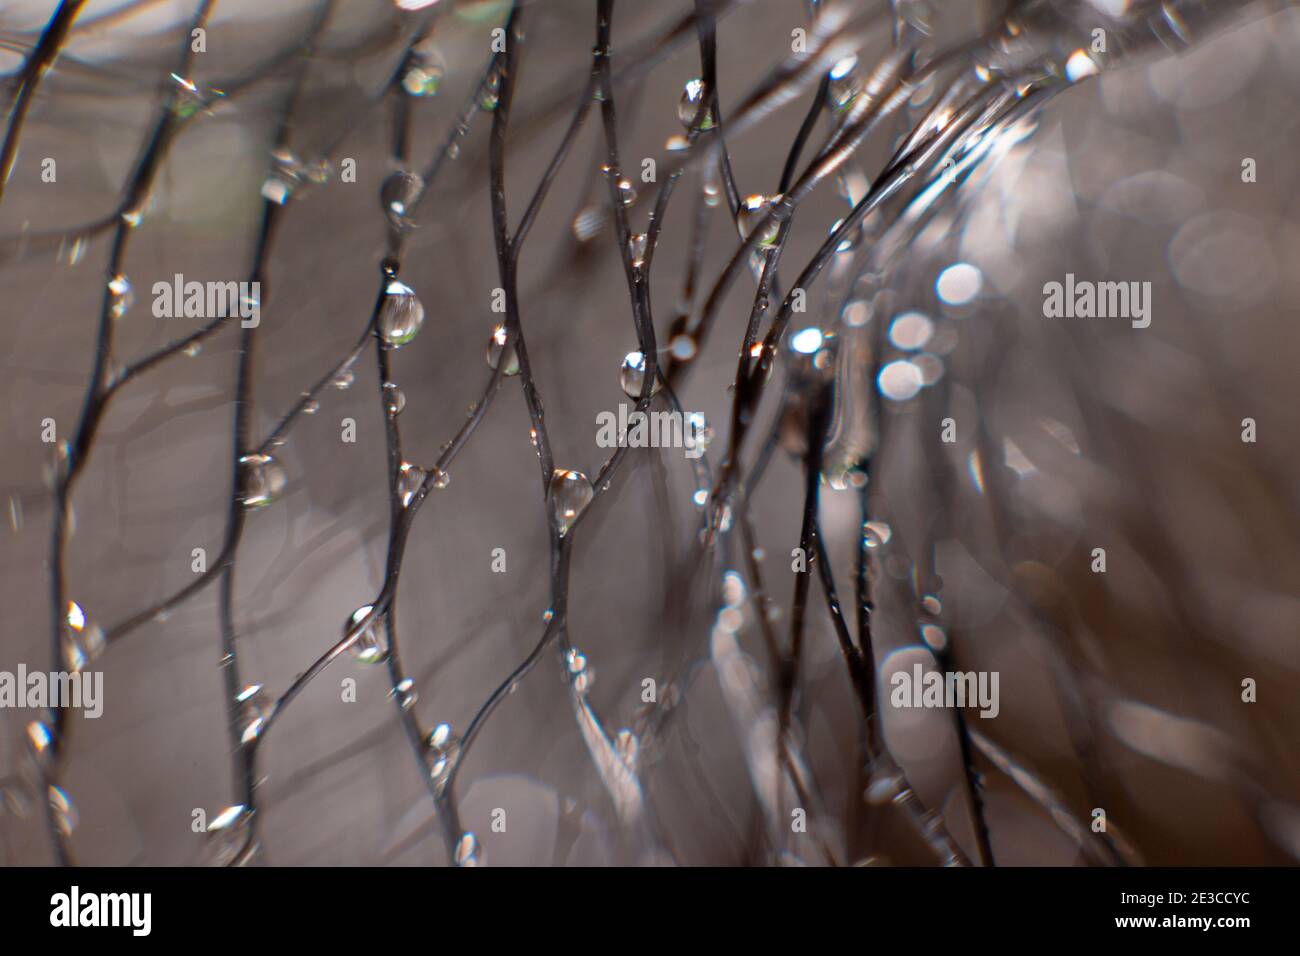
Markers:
point(83, 640)
point(426, 71)
point(632, 375)
point(579, 670)
point(406, 693)
point(277, 188)
point(398, 197)
point(263, 480)
point(844, 88)
point(636, 248)
point(468, 852)
point(226, 836)
point(805, 341)
point(310, 407)
point(394, 399)
point(40, 740)
point(62, 810)
point(369, 646)
point(571, 492)
point(752, 212)
point(120, 297)
point(344, 379)
point(932, 605)
point(254, 707)
point(689, 105)
point(676, 143)
point(409, 479)
point(626, 193)
point(876, 534)
point(441, 750)
point(186, 99)
point(401, 315)
point(490, 94)
point(934, 638)
point(496, 345)
point(193, 349)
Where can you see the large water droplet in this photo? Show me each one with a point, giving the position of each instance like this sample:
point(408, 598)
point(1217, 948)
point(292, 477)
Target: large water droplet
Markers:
point(409, 479)
point(752, 212)
point(571, 492)
point(263, 480)
point(369, 647)
point(636, 248)
point(689, 105)
point(398, 197)
point(401, 315)
point(496, 345)
point(632, 375)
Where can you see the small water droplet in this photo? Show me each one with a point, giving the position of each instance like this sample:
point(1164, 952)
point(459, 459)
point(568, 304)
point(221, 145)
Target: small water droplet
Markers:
point(490, 94)
point(683, 347)
point(264, 479)
point(398, 196)
point(254, 707)
point(394, 399)
point(844, 86)
point(344, 379)
point(689, 105)
point(626, 194)
point(63, 812)
point(310, 407)
point(427, 68)
point(628, 746)
point(83, 640)
point(401, 314)
point(40, 740)
point(468, 852)
point(193, 349)
point(882, 788)
point(441, 750)
point(579, 670)
point(119, 296)
point(571, 492)
point(496, 345)
point(406, 693)
point(369, 647)
point(632, 375)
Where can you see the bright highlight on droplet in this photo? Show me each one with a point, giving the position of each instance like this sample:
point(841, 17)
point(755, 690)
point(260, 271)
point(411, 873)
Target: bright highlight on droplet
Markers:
point(959, 284)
